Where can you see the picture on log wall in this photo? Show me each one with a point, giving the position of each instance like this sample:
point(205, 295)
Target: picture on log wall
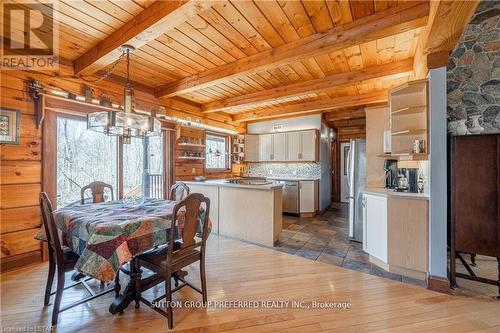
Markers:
point(9, 126)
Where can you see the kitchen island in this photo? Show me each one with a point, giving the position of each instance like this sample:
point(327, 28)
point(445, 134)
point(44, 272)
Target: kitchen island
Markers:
point(249, 212)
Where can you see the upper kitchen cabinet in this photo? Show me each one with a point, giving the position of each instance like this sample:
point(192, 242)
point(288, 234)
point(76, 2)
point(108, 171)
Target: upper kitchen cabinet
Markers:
point(309, 145)
point(408, 111)
point(293, 146)
point(266, 147)
point(252, 148)
point(279, 147)
point(296, 146)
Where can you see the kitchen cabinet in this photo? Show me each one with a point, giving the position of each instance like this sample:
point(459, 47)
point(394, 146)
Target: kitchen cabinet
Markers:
point(266, 147)
point(308, 146)
point(296, 146)
point(293, 146)
point(308, 193)
point(279, 147)
point(375, 226)
point(408, 231)
point(252, 147)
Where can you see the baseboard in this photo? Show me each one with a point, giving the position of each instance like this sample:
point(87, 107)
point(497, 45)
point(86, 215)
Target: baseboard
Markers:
point(307, 214)
point(439, 284)
point(20, 260)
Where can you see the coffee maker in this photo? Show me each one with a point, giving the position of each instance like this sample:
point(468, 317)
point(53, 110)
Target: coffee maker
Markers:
point(391, 173)
point(407, 180)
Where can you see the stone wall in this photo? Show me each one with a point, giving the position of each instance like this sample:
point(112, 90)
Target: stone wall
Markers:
point(473, 76)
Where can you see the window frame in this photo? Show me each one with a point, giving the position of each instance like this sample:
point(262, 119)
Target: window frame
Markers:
point(227, 162)
point(74, 110)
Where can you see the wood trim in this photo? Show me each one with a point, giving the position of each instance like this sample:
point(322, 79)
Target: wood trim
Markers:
point(21, 260)
point(303, 88)
point(406, 17)
point(152, 22)
point(310, 107)
point(439, 284)
point(438, 59)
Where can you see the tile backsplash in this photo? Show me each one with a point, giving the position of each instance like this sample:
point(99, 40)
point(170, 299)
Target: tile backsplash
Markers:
point(285, 170)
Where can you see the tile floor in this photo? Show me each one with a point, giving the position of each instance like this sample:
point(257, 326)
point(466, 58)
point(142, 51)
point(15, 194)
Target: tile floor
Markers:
point(325, 238)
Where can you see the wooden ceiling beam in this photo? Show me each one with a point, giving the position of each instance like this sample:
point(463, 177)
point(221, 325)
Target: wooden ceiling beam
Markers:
point(338, 115)
point(311, 107)
point(406, 17)
point(447, 21)
point(152, 22)
point(303, 88)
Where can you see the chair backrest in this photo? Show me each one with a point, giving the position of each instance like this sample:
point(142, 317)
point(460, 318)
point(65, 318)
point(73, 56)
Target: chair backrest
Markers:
point(190, 207)
point(97, 189)
point(49, 225)
point(179, 191)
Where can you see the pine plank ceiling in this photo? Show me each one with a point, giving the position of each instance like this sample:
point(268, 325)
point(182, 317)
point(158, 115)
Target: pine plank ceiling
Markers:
point(217, 33)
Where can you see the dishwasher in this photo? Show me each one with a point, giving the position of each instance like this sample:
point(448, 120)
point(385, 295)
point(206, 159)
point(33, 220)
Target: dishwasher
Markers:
point(290, 196)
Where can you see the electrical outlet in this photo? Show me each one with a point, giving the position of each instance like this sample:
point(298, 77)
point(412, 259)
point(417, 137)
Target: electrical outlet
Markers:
point(193, 170)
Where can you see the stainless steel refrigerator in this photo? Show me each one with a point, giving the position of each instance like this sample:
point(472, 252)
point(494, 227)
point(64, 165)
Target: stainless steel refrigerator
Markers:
point(356, 176)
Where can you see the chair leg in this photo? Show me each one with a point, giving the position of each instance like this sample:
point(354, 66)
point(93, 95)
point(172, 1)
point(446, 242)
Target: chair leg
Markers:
point(203, 279)
point(59, 292)
point(118, 287)
point(168, 293)
point(50, 281)
point(135, 274)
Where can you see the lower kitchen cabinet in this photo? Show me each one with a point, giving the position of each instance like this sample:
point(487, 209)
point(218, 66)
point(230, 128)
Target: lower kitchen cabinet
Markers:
point(375, 226)
point(308, 197)
point(395, 233)
point(408, 231)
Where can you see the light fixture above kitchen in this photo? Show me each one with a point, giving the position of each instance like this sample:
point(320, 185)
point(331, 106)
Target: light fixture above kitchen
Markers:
point(126, 124)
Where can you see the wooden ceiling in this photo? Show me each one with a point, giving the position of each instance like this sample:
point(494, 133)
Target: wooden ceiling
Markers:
point(251, 59)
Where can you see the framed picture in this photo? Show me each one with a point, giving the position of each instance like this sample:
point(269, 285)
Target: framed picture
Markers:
point(9, 125)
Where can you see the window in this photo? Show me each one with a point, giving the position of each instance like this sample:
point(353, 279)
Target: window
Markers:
point(217, 151)
point(83, 156)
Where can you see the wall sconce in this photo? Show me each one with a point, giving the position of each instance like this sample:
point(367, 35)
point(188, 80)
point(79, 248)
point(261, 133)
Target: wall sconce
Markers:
point(332, 135)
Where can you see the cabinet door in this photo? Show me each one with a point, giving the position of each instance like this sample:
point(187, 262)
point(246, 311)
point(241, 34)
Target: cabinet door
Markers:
point(266, 147)
point(307, 196)
point(308, 145)
point(293, 146)
point(376, 226)
point(279, 147)
point(252, 149)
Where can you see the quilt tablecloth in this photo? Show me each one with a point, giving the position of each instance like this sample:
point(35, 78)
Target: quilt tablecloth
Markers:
point(107, 235)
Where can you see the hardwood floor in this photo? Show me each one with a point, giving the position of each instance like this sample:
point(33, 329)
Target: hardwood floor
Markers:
point(241, 271)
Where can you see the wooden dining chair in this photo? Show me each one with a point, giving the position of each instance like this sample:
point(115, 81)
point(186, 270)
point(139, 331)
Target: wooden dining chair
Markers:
point(97, 190)
point(62, 259)
point(186, 250)
point(179, 191)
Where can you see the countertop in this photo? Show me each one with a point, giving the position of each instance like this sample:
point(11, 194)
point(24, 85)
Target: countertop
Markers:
point(221, 182)
point(389, 192)
point(291, 179)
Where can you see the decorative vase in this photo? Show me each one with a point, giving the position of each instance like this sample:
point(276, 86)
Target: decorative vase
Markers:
point(475, 128)
point(452, 127)
point(461, 128)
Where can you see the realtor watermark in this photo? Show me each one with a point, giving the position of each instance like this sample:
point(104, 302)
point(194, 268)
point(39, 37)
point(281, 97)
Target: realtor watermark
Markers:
point(30, 35)
point(255, 304)
point(26, 329)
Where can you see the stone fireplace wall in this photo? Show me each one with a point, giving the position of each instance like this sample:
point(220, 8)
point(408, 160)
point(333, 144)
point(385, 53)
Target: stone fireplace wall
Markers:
point(473, 74)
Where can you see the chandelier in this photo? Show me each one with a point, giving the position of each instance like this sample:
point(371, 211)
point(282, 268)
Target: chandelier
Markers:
point(126, 124)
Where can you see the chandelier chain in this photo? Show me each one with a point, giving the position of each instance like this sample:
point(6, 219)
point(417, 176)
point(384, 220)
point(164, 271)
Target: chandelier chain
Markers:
point(109, 71)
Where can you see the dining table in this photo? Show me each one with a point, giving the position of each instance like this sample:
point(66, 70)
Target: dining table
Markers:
point(109, 234)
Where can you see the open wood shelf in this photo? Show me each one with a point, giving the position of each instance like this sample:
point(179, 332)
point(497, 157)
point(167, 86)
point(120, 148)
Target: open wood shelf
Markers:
point(190, 144)
point(190, 158)
point(410, 110)
point(406, 156)
point(409, 132)
point(409, 87)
